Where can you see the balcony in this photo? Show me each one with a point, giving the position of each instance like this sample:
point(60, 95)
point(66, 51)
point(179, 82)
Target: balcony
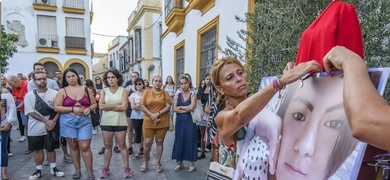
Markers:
point(47, 43)
point(202, 5)
point(175, 20)
point(73, 6)
point(75, 45)
point(45, 5)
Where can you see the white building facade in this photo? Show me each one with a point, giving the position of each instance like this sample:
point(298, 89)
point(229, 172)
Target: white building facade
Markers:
point(53, 32)
point(193, 30)
point(144, 42)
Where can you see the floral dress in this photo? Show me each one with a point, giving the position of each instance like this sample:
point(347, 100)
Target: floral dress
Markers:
point(228, 154)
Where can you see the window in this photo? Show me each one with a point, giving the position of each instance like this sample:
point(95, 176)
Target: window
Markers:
point(51, 69)
point(75, 36)
point(168, 7)
point(74, 27)
point(179, 61)
point(207, 51)
point(131, 50)
point(74, 4)
point(47, 31)
point(138, 40)
point(79, 69)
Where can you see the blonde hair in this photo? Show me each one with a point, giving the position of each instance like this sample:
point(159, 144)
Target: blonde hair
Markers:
point(214, 73)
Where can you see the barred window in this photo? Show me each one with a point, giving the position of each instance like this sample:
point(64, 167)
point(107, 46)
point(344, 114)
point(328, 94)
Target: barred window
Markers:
point(179, 64)
point(207, 51)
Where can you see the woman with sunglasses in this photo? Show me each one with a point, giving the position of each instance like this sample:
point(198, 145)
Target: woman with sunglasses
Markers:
point(156, 104)
point(137, 115)
point(98, 83)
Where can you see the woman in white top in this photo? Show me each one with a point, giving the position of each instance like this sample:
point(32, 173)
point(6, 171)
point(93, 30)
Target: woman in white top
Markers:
point(8, 116)
point(170, 87)
point(137, 114)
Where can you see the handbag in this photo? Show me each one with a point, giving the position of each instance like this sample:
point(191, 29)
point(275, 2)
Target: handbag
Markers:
point(197, 113)
point(94, 117)
point(41, 106)
point(219, 172)
point(45, 110)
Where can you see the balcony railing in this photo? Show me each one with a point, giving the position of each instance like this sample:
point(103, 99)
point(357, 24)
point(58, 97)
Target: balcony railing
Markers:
point(77, 4)
point(74, 42)
point(45, 2)
point(44, 40)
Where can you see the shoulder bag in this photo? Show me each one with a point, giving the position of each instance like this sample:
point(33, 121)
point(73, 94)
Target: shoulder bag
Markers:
point(94, 117)
point(197, 113)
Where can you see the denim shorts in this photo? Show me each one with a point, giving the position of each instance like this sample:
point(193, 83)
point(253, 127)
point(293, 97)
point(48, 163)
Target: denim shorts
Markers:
point(78, 127)
point(202, 123)
point(24, 118)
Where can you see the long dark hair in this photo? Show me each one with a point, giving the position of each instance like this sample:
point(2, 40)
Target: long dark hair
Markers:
point(64, 82)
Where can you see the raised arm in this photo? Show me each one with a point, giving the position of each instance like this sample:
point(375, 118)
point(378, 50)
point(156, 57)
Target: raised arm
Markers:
point(237, 117)
point(367, 112)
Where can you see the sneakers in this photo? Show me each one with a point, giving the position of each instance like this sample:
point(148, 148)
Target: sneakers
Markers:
point(22, 139)
point(127, 173)
point(116, 149)
point(46, 163)
point(37, 174)
point(130, 150)
point(179, 166)
point(67, 159)
point(10, 154)
point(104, 173)
point(94, 131)
point(101, 151)
point(192, 167)
point(56, 172)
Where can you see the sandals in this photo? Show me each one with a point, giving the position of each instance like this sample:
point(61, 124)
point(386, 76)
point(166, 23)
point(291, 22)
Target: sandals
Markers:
point(143, 167)
point(91, 177)
point(76, 175)
point(159, 168)
point(201, 156)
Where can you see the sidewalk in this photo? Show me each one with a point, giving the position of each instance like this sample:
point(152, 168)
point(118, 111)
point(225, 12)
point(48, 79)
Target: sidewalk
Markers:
point(21, 166)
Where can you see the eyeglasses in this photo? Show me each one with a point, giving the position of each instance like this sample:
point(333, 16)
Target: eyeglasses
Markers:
point(58, 73)
point(138, 84)
point(40, 79)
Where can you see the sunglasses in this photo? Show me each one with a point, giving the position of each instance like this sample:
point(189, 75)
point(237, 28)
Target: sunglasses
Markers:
point(138, 84)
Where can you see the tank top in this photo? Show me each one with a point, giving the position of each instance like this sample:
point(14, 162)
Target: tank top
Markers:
point(113, 118)
point(70, 102)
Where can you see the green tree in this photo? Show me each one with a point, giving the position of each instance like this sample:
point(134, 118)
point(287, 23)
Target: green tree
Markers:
point(8, 47)
point(276, 27)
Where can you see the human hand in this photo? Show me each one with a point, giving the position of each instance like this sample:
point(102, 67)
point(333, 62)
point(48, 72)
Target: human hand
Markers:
point(87, 111)
point(7, 127)
point(337, 57)
point(77, 110)
point(50, 124)
point(268, 125)
point(291, 73)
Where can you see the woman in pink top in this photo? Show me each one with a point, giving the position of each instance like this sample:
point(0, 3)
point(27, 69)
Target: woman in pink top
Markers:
point(75, 120)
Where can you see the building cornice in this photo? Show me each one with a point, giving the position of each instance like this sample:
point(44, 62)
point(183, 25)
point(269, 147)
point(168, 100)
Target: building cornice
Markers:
point(140, 13)
point(48, 50)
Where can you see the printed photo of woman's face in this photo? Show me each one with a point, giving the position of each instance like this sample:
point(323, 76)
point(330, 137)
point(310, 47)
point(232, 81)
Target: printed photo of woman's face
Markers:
point(313, 122)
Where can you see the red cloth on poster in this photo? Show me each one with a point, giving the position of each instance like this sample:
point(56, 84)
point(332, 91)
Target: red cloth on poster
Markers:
point(338, 25)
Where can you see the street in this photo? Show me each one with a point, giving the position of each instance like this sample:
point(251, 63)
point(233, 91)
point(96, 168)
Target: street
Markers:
point(21, 166)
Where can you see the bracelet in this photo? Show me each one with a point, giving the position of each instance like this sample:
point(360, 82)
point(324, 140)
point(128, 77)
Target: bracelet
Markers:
point(72, 108)
point(275, 82)
point(159, 113)
point(279, 85)
point(90, 108)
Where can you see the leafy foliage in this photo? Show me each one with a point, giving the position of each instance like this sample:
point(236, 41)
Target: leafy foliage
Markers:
point(276, 26)
point(8, 47)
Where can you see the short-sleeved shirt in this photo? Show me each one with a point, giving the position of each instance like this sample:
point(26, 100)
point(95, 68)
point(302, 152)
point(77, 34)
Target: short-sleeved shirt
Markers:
point(20, 92)
point(51, 84)
point(154, 103)
point(136, 114)
point(113, 118)
point(35, 127)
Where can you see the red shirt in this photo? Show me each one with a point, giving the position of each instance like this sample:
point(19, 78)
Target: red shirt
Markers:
point(337, 25)
point(20, 92)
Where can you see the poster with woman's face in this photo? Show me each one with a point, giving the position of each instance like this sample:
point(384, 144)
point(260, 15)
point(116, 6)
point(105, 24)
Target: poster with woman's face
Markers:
point(316, 138)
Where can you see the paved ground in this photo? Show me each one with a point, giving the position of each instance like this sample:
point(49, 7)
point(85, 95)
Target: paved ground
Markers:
point(21, 166)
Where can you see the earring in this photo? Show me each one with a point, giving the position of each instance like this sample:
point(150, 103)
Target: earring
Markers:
point(223, 97)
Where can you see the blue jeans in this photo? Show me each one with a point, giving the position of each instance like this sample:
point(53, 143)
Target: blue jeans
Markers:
point(4, 148)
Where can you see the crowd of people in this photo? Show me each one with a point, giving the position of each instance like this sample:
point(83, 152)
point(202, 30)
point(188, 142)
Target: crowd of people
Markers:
point(55, 112)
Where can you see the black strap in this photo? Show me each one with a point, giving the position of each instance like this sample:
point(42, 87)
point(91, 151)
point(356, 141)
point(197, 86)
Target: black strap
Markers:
point(89, 99)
